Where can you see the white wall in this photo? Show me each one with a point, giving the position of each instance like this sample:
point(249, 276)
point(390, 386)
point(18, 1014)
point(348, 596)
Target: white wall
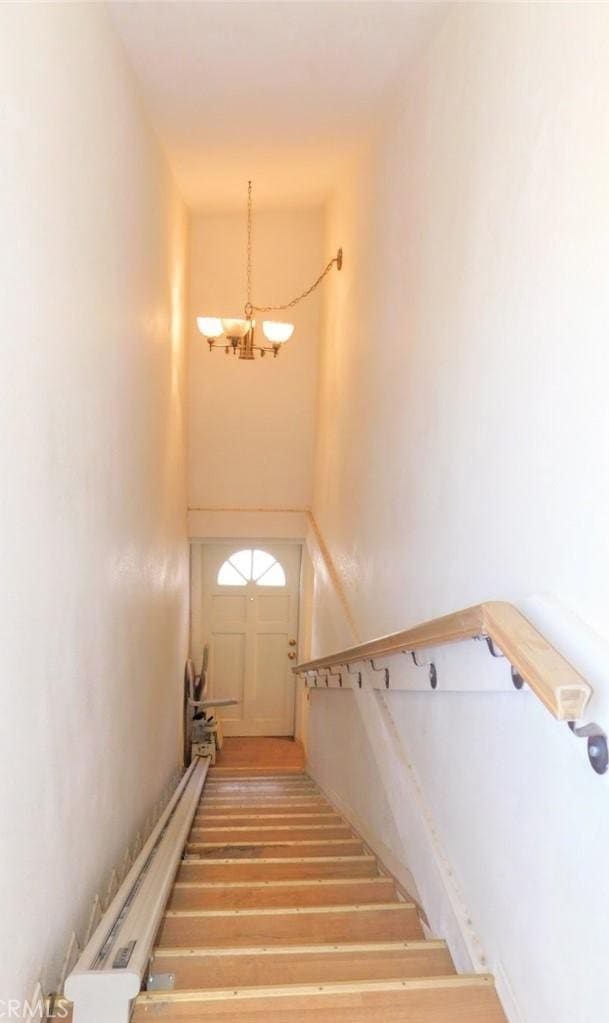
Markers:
point(93, 603)
point(463, 455)
point(251, 433)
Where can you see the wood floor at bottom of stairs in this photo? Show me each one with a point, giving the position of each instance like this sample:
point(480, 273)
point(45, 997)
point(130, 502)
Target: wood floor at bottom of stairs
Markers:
point(452, 999)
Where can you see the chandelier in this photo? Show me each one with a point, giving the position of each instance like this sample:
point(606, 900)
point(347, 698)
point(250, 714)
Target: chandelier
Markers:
point(239, 335)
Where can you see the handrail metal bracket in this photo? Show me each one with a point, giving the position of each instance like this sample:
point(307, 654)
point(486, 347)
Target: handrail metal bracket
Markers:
point(433, 671)
point(492, 649)
point(356, 672)
point(386, 670)
point(338, 675)
point(598, 749)
point(517, 679)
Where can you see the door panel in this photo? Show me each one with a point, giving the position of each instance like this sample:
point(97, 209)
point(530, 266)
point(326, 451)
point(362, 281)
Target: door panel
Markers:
point(228, 609)
point(229, 671)
point(271, 688)
point(249, 627)
point(273, 608)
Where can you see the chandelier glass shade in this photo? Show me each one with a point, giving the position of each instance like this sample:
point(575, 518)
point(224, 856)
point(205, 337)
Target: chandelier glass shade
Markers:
point(276, 332)
point(239, 334)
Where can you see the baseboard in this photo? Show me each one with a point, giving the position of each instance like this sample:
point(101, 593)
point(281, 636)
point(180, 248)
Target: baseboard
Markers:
point(459, 947)
point(386, 856)
point(506, 995)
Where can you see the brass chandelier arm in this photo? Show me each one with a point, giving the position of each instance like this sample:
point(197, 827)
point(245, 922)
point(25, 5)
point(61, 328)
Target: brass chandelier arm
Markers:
point(235, 346)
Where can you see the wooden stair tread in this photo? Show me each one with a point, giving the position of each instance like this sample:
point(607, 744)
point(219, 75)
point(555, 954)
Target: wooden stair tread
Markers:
point(299, 805)
point(235, 850)
point(452, 999)
point(261, 776)
point(256, 772)
point(316, 892)
point(278, 914)
point(240, 819)
point(235, 798)
point(277, 868)
point(308, 925)
point(250, 967)
point(267, 788)
point(270, 832)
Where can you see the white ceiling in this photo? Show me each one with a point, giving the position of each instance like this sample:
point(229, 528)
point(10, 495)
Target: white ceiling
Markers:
point(280, 92)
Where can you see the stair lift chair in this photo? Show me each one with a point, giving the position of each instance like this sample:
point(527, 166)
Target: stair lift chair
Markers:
point(202, 729)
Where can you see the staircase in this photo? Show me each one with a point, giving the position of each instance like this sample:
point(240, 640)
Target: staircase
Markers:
point(280, 913)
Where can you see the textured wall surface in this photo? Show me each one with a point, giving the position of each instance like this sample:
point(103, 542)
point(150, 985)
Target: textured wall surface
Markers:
point(93, 603)
point(463, 455)
point(252, 424)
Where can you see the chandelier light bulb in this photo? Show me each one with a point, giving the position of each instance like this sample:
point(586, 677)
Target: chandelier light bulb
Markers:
point(235, 327)
point(277, 333)
point(210, 326)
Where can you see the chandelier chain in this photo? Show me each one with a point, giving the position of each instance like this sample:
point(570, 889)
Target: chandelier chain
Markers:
point(249, 306)
point(299, 298)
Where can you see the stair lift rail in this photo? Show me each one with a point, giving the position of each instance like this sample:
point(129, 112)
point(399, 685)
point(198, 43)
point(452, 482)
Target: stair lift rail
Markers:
point(109, 973)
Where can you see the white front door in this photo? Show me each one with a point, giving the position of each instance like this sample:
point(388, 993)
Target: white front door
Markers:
point(247, 594)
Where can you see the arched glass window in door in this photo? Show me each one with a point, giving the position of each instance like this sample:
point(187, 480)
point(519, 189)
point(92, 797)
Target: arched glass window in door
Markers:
point(251, 566)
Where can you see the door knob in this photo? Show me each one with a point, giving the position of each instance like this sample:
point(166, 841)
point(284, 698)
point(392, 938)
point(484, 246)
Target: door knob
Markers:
point(292, 642)
point(292, 655)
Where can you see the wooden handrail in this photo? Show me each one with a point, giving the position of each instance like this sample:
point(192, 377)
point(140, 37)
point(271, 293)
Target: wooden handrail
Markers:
point(551, 677)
